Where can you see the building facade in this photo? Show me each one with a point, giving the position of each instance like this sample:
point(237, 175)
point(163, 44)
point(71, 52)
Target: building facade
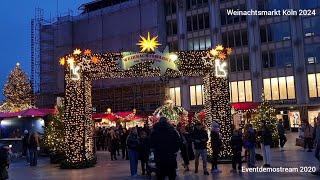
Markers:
point(277, 56)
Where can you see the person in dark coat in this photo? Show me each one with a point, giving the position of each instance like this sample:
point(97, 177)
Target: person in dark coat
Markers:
point(34, 147)
point(123, 143)
point(184, 146)
point(200, 139)
point(250, 145)
point(281, 133)
point(25, 145)
point(133, 145)
point(216, 145)
point(266, 138)
point(165, 142)
point(4, 162)
point(144, 151)
point(236, 146)
point(113, 144)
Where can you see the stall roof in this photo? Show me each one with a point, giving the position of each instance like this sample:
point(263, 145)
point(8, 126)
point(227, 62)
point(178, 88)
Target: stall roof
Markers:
point(32, 112)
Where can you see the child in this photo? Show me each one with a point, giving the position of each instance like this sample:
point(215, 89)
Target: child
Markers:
point(236, 145)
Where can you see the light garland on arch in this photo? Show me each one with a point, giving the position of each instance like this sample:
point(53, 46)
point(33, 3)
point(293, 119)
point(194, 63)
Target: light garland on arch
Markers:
point(78, 106)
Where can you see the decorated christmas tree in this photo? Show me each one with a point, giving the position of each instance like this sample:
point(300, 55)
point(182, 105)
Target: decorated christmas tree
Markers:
point(54, 136)
point(266, 114)
point(17, 91)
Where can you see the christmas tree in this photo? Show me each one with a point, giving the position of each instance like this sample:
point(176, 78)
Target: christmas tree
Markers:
point(17, 91)
point(54, 136)
point(266, 113)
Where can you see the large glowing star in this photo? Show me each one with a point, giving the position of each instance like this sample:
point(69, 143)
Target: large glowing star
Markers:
point(148, 44)
point(220, 68)
point(74, 69)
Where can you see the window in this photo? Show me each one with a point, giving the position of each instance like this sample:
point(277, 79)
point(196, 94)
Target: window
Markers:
point(170, 7)
point(196, 95)
point(241, 91)
point(198, 22)
point(171, 27)
point(173, 46)
point(226, 19)
point(312, 53)
point(311, 26)
point(239, 62)
point(279, 88)
point(273, 4)
point(314, 85)
point(235, 38)
point(279, 58)
point(175, 95)
point(200, 43)
point(193, 4)
point(275, 32)
point(309, 4)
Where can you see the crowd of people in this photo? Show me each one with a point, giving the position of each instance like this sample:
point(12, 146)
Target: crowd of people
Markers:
point(165, 140)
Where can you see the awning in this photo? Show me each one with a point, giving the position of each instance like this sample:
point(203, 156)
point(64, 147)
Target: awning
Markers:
point(32, 112)
point(245, 105)
point(109, 116)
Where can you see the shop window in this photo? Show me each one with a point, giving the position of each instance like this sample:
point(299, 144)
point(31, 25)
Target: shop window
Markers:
point(279, 88)
point(196, 95)
point(175, 95)
point(241, 91)
point(314, 85)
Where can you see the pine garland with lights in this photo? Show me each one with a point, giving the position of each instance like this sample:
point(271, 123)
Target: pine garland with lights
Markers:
point(17, 91)
point(54, 136)
point(266, 113)
point(175, 114)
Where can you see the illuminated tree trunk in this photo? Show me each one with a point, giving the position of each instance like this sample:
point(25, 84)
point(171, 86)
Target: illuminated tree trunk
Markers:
point(217, 107)
point(78, 123)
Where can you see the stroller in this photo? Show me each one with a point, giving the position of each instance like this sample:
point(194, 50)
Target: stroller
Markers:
point(151, 164)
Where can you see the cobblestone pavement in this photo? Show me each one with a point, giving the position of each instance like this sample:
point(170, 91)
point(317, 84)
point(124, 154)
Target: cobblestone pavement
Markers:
point(115, 170)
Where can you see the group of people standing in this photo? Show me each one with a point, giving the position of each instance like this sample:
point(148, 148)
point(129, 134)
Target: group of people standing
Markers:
point(31, 147)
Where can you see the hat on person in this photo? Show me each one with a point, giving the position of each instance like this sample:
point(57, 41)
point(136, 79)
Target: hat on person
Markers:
point(26, 131)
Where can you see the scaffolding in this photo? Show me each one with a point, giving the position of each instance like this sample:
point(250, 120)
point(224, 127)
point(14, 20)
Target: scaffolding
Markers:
point(35, 49)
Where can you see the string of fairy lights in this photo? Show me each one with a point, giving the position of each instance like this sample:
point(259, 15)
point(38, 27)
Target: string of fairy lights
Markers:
point(82, 67)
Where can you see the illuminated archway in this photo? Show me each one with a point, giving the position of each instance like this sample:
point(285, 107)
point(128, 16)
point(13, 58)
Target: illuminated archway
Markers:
point(82, 67)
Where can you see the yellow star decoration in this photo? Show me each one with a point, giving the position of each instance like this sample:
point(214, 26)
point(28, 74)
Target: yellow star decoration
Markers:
point(62, 61)
point(95, 60)
point(70, 60)
point(213, 52)
point(148, 44)
point(87, 52)
point(219, 48)
point(77, 51)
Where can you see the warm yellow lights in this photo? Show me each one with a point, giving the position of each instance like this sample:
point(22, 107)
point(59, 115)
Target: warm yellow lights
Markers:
point(95, 60)
point(62, 61)
point(70, 61)
point(148, 44)
point(76, 52)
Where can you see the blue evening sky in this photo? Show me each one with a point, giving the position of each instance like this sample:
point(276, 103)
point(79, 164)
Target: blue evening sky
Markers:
point(15, 19)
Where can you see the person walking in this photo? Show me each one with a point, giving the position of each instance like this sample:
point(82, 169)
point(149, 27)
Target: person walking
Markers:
point(144, 151)
point(308, 136)
point(34, 147)
point(133, 144)
point(200, 138)
point(266, 138)
point(165, 142)
point(25, 146)
point(4, 162)
point(216, 145)
point(281, 133)
point(236, 146)
point(184, 147)
point(250, 145)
